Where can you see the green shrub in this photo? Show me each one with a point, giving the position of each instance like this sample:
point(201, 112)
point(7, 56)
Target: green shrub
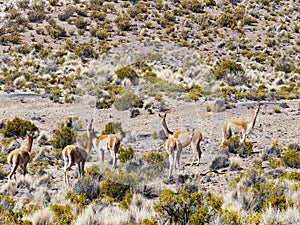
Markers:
point(94, 172)
point(229, 71)
point(102, 34)
point(18, 128)
point(195, 93)
point(234, 146)
point(291, 158)
point(63, 137)
point(208, 108)
point(23, 4)
point(187, 208)
point(231, 217)
point(86, 51)
point(150, 76)
point(87, 186)
point(115, 190)
point(277, 110)
point(67, 13)
point(81, 23)
point(36, 16)
point(6, 202)
point(100, 16)
point(123, 22)
point(127, 72)
point(80, 199)
point(149, 222)
point(112, 128)
point(125, 203)
point(278, 202)
point(125, 154)
point(193, 5)
point(63, 214)
point(54, 2)
point(56, 31)
point(128, 100)
point(153, 158)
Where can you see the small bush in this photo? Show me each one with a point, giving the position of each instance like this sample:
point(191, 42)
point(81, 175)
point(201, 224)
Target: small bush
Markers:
point(187, 208)
point(56, 31)
point(115, 190)
point(153, 158)
point(80, 199)
point(123, 22)
point(6, 202)
point(291, 158)
point(129, 73)
point(68, 12)
point(125, 154)
point(18, 128)
point(128, 100)
point(195, 93)
point(234, 146)
point(81, 23)
point(229, 71)
point(86, 51)
point(277, 110)
point(193, 5)
point(63, 214)
point(63, 137)
point(112, 128)
point(87, 186)
point(36, 16)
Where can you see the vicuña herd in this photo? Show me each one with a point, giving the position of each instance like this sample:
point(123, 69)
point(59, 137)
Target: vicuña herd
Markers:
point(176, 141)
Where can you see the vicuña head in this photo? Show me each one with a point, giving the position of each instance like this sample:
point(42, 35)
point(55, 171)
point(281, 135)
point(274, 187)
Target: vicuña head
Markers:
point(236, 127)
point(75, 154)
point(20, 157)
point(184, 138)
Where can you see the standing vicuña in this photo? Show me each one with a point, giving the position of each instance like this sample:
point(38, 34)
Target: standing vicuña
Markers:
point(235, 127)
point(174, 149)
point(184, 138)
point(74, 154)
point(20, 157)
point(107, 142)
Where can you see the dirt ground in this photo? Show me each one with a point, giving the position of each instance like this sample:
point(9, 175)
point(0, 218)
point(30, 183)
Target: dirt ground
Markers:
point(270, 127)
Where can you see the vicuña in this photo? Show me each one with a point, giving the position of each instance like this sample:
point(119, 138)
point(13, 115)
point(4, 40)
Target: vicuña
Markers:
point(75, 154)
point(184, 138)
point(107, 142)
point(20, 157)
point(236, 127)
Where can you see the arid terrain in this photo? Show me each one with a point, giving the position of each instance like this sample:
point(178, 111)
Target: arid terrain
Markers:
point(125, 62)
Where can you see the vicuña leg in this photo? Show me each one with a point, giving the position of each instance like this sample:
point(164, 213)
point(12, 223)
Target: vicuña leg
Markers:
point(172, 163)
point(14, 168)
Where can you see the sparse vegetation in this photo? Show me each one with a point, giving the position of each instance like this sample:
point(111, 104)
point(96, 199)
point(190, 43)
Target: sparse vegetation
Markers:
point(62, 137)
point(118, 55)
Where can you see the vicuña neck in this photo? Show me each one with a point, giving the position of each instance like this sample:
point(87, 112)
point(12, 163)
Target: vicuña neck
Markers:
point(29, 146)
point(166, 129)
point(90, 140)
point(254, 118)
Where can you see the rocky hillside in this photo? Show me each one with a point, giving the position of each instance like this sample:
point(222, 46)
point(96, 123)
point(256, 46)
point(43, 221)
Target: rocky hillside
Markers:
point(122, 63)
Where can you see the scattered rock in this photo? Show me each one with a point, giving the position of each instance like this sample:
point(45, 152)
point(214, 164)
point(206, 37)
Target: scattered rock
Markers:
point(219, 105)
point(220, 162)
point(271, 153)
point(284, 105)
point(134, 113)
